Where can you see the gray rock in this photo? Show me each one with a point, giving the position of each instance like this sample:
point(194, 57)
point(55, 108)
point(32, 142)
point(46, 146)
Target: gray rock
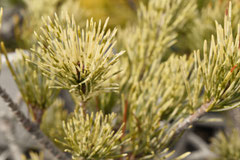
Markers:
point(20, 137)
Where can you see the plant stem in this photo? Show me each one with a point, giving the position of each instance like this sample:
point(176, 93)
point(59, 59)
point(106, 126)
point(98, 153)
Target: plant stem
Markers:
point(97, 103)
point(124, 122)
point(125, 117)
point(193, 118)
point(83, 106)
point(33, 128)
point(37, 113)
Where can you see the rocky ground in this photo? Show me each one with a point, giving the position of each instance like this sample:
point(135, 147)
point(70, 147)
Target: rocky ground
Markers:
point(14, 139)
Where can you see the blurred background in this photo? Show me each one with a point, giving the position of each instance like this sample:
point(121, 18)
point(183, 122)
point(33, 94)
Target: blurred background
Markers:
point(21, 17)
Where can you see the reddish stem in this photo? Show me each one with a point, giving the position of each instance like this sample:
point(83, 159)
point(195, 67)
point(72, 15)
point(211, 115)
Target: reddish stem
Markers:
point(226, 12)
point(124, 121)
point(239, 44)
point(97, 103)
point(233, 68)
point(125, 117)
point(37, 113)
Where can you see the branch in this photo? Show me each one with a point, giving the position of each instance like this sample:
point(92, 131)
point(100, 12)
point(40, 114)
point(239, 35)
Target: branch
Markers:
point(193, 118)
point(125, 117)
point(124, 123)
point(33, 128)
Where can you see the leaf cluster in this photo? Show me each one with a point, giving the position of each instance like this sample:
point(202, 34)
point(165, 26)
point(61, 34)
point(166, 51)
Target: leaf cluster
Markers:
point(98, 140)
point(150, 39)
point(219, 67)
point(202, 26)
point(34, 87)
point(77, 60)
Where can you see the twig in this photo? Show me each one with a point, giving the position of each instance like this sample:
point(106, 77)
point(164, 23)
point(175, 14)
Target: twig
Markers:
point(97, 103)
point(124, 122)
point(193, 118)
point(37, 114)
point(83, 106)
point(33, 128)
point(125, 117)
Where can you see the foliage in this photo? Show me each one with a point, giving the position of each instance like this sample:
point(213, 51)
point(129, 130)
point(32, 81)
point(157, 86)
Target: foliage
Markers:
point(202, 25)
point(98, 140)
point(152, 90)
point(149, 40)
point(226, 146)
point(155, 91)
point(219, 67)
point(77, 60)
point(33, 86)
point(150, 87)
